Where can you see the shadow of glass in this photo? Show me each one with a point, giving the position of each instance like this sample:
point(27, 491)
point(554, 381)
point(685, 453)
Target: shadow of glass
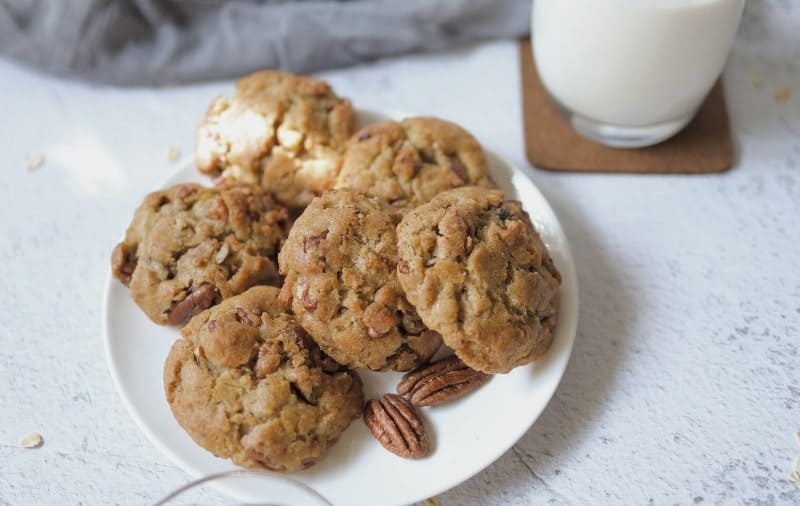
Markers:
point(600, 345)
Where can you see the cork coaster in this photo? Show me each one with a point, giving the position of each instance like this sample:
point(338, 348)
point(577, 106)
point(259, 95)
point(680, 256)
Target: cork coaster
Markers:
point(705, 145)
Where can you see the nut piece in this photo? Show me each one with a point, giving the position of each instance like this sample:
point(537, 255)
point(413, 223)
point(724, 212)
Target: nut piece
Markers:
point(309, 303)
point(396, 425)
point(32, 440)
point(218, 210)
point(442, 381)
point(198, 300)
point(379, 319)
point(269, 359)
point(123, 263)
point(457, 166)
point(262, 459)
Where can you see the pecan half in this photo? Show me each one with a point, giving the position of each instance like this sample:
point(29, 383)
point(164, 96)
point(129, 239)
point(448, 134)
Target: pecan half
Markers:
point(396, 425)
point(198, 300)
point(440, 382)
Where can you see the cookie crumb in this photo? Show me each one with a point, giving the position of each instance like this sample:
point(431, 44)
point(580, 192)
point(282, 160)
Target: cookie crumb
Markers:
point(32, 440)
point(782, 94)
point(756, 79)
point(34, 162)
point(173, 153)
point(431, 501)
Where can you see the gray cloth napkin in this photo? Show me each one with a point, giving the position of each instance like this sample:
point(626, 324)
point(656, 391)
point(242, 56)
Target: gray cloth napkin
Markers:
point(171, 41)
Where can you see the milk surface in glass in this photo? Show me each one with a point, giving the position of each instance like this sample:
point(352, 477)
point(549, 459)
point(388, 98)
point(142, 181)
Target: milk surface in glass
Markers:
point(631, 72)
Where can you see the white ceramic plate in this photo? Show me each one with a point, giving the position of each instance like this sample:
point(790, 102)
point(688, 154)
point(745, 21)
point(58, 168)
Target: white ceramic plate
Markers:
point(467, 435)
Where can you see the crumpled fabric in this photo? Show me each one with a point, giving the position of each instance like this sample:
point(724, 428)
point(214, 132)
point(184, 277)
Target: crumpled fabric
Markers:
point(147, 42)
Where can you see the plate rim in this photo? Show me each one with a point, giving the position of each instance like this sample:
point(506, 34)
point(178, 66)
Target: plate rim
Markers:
point(568, 272)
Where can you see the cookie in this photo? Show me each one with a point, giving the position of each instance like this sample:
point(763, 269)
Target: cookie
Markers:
point(410, 162)
point(340, 261)
point(280, 130)
point(479, 274)
point(189, 247)
point(247, 383)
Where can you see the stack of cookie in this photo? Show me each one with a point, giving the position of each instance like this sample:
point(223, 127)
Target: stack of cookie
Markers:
point(379, 245)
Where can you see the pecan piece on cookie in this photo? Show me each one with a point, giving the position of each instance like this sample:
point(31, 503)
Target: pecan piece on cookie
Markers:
point(198, 300)
point(395, 424)
point(457, 166)
point(123, 263)
point(442, 381)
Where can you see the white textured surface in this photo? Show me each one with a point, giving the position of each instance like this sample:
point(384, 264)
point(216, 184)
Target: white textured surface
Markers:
point(685, 382)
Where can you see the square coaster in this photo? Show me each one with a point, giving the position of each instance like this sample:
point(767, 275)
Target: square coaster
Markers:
point(704, 146)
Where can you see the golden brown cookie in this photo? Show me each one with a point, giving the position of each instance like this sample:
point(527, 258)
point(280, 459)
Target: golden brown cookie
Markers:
point(478, 273)
point(189, 247)
point(339, 262)
point(247, 383)
point(410, 162)
point(281, 130)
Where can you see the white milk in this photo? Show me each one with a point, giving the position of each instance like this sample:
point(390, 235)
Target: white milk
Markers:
point(632, 63)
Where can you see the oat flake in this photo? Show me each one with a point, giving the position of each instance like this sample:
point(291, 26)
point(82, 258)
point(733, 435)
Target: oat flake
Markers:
point(34, 162)
point(795, 474)
point(32, 440)
point(173, 154)
point(431, 501)
point(756, 79)
point(782, 94)
point(222, 254)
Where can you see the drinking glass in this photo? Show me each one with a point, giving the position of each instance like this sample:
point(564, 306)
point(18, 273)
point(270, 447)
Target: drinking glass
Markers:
point(631, 73)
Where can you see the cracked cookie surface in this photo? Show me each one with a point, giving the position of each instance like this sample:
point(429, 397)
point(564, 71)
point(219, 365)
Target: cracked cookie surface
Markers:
point(280, 130)
point(247, 383)
point(340, 265)
point(409, 162)
point(188, 247)
point(479, 274)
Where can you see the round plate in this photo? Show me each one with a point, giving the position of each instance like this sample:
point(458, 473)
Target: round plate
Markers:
point(466, 435)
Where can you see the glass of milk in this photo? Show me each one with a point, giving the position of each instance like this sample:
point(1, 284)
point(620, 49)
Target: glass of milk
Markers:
point(631, 73)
